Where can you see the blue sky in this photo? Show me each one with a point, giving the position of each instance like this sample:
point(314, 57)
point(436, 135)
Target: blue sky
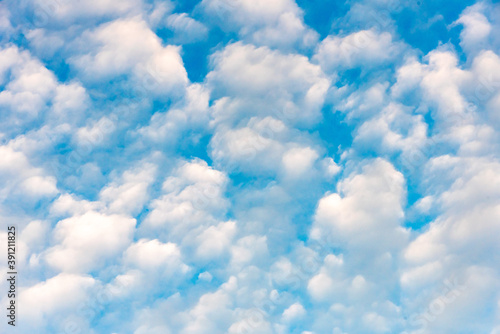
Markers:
point(251, 166)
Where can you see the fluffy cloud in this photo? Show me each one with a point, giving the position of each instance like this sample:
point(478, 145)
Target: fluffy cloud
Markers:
point(186, 29)
point(21, 178)
point(190, 212)
point(129, 47)
point(476, 29)
point(277, 24)
point(366, 204)
point(366, 48)
point(191, 196)
point(253, 113)
point(129, 195)
point(28, 85)
point(67, 12)
point(290, 84)
point(85, 242)
point(152, 255)
point(190, 114)
point(62, 295)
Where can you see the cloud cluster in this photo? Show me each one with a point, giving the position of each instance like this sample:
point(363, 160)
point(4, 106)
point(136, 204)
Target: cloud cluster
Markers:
point(251, 166)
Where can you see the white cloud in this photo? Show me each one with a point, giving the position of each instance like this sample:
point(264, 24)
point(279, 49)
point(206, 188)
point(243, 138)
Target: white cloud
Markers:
point(299, 161)
point(191, 113)
point(250, 148)
point(60, 294)
point(365, 205)
point(186, 29)
point(250, 249)
point(95, 134)
point(459, 243)
point(20, 178)
point(85, 242)
point(191, 212)
point(288, 85)
point(67, 204)
point(30, 85)
point(330, 167)
point(294, 312)
point(5, 25)
point(129, 47)
point(394, 128)
point(452, 95)
point(484, 86)
point(321, 287)
point(213, 310)
point(68, 11)
point(152, 255)
point(277, 24)
point(365, 48)
point(128, 195)
point(215, 240)
point(191, 195)
point(45, 43)
point(362, 103)
point(70, 102)
point(476, 29)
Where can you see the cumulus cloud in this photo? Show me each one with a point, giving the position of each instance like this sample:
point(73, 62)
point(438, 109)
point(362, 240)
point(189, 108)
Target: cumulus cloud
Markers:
point(61, 294)
point(279, 24)
point(151, 255)
point(186, 29)
point(85, 242)
point(191, 195)
point(190, 114)
point(365, 205)
point(128, 195)
point(255, 116)
point(476, 27)
point(72, 10)
point(129, 47)
point(366, 48)
point(22, 178)
point(290, 84)
point(28, 85)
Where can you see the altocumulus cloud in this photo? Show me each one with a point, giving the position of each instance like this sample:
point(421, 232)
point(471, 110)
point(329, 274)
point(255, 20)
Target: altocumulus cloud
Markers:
point(237, 166)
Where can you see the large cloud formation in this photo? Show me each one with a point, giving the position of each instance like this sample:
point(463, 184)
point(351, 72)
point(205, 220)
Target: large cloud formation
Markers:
point(250, 166)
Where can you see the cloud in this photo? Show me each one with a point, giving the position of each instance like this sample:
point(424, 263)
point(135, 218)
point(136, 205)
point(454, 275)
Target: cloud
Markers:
point(23, 179)
point(366, 48)
point(129, 47)
point(151, 255)
point(186, 29)
point(61, 294)
point(356, 215)
point(290, 84)
point(28, 85)
point(477, 27)
point(190, 114)
point(192, 195)
point(69, 12)
point(294, 312)
point(255, 116)
point(85, 242)
point(128, 195)
point(278, 25)
point(298, 161)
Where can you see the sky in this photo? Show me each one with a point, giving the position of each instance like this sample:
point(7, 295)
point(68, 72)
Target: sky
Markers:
point(251, 166)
